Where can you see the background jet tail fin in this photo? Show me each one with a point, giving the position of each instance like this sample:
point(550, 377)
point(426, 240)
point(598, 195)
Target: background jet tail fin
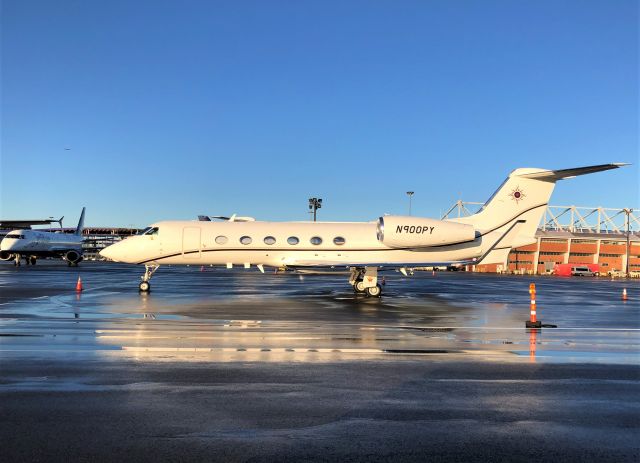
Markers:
point(80, 226)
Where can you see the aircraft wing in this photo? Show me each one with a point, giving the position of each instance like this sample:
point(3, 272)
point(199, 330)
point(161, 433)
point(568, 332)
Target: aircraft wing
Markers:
point(342, 265)
point(17, 224)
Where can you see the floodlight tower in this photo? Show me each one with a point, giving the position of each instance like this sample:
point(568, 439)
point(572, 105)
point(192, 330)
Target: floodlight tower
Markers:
point(314, 205)
point(410, 195)
point(628, 211)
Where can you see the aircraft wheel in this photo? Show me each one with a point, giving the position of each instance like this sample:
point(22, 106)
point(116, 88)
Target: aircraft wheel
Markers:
point(32, 260)
point(144, 287)
point(359, 287)
point(374, 291)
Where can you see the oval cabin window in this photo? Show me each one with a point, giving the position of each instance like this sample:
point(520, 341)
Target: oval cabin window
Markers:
point(316, 240)
point(246, 240)
point(269, 240)
point(293, 240)
point(339, 240)
point(221, 239)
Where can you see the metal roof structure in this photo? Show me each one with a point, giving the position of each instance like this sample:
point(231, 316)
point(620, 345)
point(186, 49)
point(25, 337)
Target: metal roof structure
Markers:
point(571, 219)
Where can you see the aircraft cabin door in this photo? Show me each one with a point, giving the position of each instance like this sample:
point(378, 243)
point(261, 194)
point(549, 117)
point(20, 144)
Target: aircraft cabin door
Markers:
point(191, 242)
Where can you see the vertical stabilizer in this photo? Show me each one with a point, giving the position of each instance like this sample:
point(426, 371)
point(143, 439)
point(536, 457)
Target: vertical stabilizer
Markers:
point(80, 226)
point(522, 197)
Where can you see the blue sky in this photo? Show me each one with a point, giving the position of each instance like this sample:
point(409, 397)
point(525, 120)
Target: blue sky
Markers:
point(176, 108)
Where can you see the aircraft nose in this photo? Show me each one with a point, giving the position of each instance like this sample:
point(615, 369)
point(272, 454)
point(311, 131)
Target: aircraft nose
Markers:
point(7, 245)
point(110, 252)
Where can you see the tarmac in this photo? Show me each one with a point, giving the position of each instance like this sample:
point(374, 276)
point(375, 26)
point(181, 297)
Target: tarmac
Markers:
point(235, 365)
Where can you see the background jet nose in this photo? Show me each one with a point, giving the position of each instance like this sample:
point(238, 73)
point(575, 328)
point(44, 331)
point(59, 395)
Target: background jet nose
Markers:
point(7, 245)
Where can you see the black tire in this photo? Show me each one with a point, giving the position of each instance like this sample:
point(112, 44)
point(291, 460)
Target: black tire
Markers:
point(375, 291)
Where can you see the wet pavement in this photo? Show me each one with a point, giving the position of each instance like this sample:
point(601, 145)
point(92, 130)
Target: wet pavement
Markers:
point(234, 365)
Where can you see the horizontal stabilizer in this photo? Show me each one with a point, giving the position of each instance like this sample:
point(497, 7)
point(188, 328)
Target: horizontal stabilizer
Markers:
point(555, 175)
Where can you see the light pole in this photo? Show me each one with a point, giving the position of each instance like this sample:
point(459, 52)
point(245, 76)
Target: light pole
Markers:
point(314, 205)
point(628, 211)
point(410, 195)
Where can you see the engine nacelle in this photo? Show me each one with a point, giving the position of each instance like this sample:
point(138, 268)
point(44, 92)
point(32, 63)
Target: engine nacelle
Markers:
point(414, 232)
point(6, 255)
point(73, 257)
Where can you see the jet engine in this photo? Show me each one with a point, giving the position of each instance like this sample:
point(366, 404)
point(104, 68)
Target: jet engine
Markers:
point(5, 255)
point(73, 257)
point(415, 232)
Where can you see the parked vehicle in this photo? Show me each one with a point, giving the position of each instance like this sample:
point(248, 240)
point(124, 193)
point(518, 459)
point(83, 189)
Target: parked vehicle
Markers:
point(582, 272)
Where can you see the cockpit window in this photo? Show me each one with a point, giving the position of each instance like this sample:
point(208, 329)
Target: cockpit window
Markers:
point(15, 236)
point(149, 231)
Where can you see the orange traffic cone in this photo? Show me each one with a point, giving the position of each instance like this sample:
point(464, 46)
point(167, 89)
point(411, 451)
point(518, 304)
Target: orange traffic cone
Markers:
point(533, 321)
point(79, 285)
point(624, 294)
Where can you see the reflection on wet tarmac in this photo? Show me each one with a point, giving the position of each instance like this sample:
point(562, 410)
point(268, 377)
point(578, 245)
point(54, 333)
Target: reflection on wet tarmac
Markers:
point(240, 315)
point(220, 365)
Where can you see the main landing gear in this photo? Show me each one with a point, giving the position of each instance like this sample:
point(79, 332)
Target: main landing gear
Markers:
point(364, 280)
point(28, 260)
point(144, 285)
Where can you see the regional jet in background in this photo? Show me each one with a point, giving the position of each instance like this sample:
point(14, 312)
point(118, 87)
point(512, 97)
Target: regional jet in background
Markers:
point(31, 244)
point(508, 219)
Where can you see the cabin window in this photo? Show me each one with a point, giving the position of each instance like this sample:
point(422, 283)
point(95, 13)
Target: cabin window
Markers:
point(246, 240)
point(293, 240)
point(316, 240)
point(269, 240)
point(339, 240)
point(221, 239)
point(14, 236)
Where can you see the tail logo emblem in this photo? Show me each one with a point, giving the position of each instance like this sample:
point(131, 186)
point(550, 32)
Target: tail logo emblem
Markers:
point(517, 194)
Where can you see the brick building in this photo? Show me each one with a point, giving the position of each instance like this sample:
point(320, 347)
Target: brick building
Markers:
point(608, 250)
point(572, 235)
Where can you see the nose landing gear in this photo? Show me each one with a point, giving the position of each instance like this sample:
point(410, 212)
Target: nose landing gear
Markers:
point(144, 285)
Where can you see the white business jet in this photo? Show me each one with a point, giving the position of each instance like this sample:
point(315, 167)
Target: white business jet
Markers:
point(508, 219)
point(31, 244)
